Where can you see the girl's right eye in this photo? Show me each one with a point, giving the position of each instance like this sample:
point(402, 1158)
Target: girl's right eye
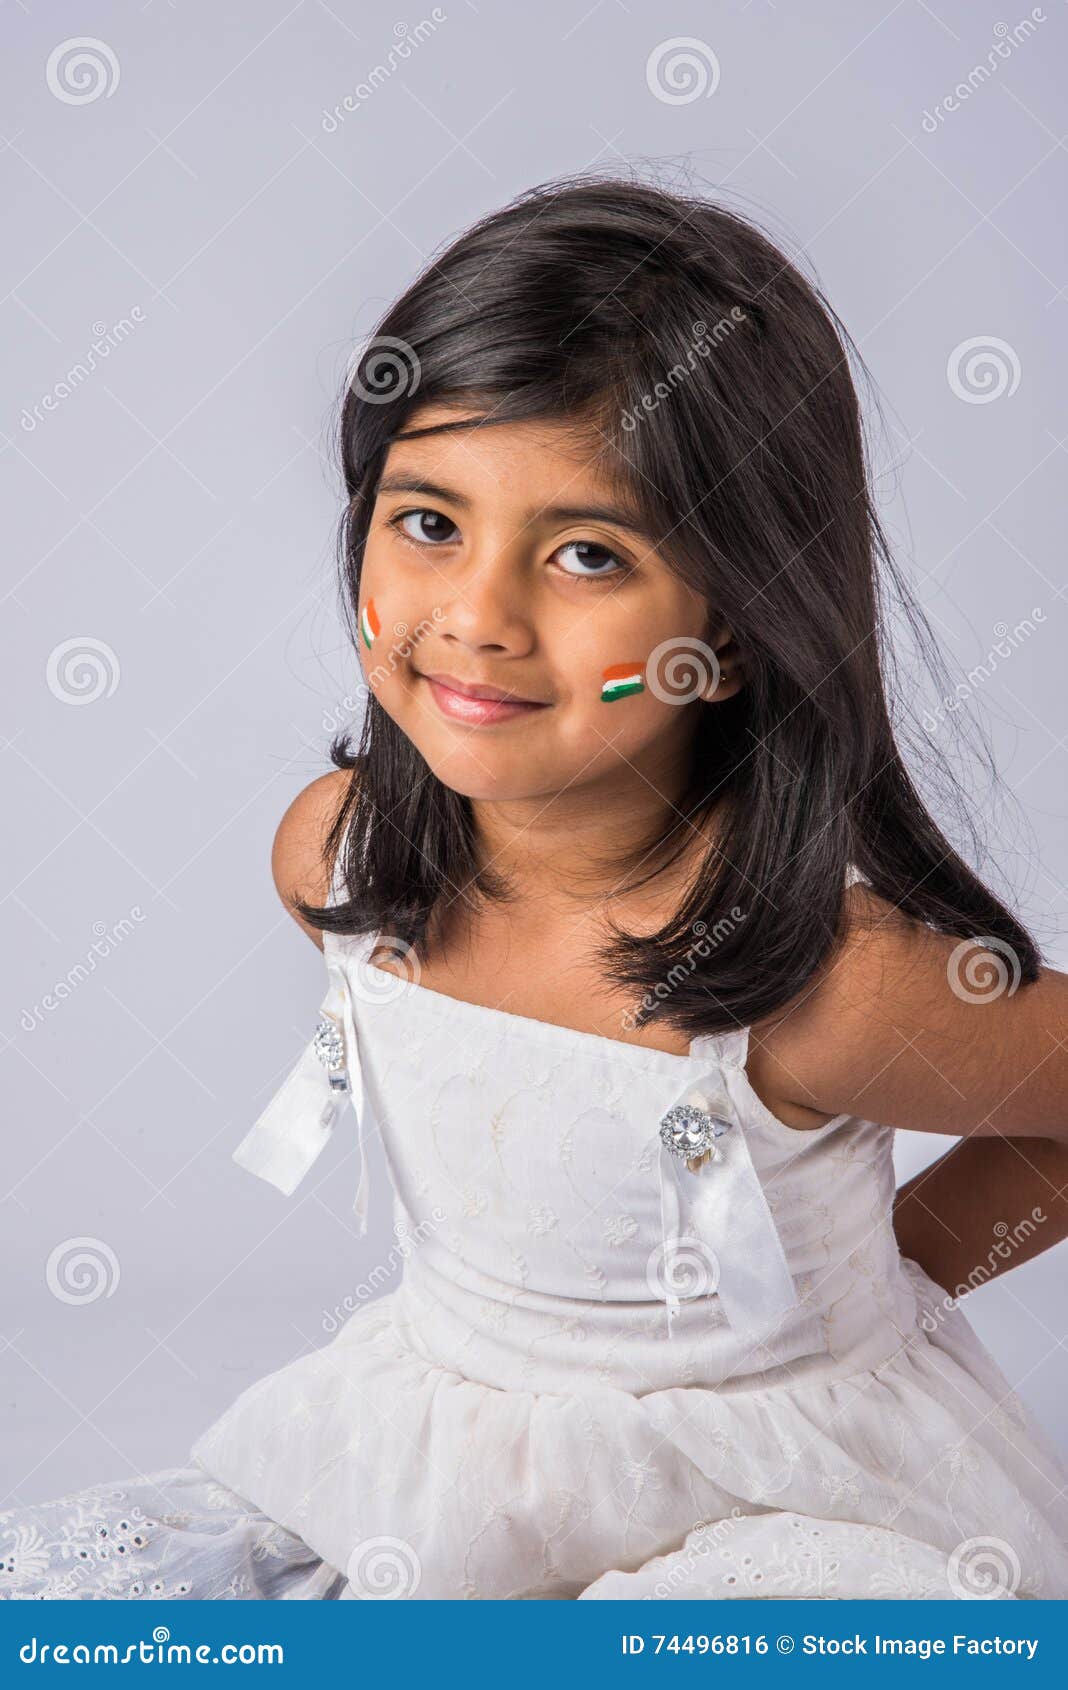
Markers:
point(426, 534)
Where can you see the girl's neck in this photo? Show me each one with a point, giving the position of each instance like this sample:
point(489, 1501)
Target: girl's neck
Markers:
point(577, 851)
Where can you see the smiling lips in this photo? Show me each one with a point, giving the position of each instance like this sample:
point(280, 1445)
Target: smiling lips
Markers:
point(475, 704)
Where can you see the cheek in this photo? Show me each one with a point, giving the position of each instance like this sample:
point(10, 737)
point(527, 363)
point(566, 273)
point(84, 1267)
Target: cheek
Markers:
point(602, 651)
point(632, 684)
point(641, 663)
point(619, 708)
point(376, 640)
point(616, 709)
point(388, 635)
point(390, 623)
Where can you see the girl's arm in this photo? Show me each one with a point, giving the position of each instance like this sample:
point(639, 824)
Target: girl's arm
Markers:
point(908, 1027)
point(984, 1207)
point(913, 1029)
point(297, 863)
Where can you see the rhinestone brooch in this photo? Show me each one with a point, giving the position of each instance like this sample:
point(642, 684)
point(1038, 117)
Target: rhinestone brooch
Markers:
point(690, 1133)
point(330, 1049)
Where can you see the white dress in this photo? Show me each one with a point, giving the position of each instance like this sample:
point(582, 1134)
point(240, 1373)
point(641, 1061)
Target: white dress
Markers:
point(603, 1374)
point(606, 1375)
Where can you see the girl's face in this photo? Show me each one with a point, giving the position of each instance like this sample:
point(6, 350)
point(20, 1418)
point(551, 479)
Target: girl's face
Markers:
point(501, 559)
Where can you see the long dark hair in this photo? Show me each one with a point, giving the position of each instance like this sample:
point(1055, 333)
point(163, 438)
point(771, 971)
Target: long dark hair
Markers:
point(574, 302)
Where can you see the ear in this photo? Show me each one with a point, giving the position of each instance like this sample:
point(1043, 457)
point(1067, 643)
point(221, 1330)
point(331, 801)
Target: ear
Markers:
point(731, 674)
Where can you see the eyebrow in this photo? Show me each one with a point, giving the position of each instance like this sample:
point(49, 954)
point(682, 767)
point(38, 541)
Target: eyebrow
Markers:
point(398, 481)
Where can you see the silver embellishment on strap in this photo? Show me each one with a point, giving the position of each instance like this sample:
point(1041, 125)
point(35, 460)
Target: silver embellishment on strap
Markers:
point(330, 1049)
point(690, 1133)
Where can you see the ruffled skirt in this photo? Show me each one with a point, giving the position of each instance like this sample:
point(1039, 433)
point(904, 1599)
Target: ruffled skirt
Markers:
point(923, 1478)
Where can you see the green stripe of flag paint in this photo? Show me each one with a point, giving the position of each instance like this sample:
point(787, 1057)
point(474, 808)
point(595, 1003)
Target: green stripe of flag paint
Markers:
point(621, 688)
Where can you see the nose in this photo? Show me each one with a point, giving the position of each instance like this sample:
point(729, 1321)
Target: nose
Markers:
point(488, 604)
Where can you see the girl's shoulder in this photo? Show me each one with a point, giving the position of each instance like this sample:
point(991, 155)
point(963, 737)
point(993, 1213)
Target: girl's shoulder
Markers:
point(924, 1030)
point(299, 862)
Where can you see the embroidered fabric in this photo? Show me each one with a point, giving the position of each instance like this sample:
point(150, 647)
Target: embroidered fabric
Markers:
point(175, 1533)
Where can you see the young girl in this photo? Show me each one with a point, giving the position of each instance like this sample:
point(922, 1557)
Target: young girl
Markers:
point(639, 944)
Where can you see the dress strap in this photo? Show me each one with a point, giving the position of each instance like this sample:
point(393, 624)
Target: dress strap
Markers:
point(730, 1048)
point(712, 1202)
point(718, 1231)
point(293, 1129)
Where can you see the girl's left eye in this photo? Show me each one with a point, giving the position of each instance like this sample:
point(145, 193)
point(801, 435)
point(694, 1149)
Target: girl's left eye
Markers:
point(592, 553)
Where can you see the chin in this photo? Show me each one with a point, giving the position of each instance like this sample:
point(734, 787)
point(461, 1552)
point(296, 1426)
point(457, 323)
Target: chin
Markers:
point(478, 783)
point(486, 774)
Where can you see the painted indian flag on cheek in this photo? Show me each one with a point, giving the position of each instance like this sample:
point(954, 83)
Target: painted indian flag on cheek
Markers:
point(621, 679)
point(370, 626)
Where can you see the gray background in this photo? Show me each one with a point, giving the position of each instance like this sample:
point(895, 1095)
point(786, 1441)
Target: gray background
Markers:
point(178, 506)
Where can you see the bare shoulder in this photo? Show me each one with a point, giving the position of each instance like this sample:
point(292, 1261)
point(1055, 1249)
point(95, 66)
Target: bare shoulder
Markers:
point(922, 1030)
point(298, 860)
